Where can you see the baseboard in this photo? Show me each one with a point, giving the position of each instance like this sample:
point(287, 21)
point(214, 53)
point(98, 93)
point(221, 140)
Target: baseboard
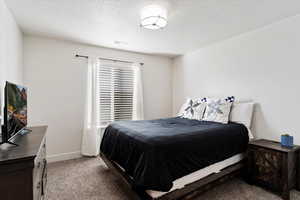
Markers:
point(63, 156)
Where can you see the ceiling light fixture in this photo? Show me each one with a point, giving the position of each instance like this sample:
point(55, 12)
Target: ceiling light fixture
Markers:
point(154, 17)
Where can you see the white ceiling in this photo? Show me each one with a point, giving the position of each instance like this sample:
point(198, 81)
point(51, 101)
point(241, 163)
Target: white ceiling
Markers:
point(192, 23)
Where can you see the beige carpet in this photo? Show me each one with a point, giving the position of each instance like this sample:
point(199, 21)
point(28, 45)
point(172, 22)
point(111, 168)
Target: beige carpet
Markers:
point(90, 179)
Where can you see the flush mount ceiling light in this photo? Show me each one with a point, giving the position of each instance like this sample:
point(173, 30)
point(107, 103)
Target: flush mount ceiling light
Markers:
point(154, 17)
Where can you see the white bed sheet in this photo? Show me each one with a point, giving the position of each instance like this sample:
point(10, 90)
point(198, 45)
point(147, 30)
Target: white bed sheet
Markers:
point(215, 168)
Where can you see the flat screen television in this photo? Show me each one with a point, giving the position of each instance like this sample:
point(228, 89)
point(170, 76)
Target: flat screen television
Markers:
point(15, 110)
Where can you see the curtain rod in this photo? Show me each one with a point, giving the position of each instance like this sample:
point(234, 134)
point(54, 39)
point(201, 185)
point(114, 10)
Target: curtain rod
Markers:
point(115, 60)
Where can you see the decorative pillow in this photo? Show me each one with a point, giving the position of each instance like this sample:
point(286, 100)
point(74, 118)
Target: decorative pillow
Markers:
point(183, 107)
point(193, 109)
point(218, 110)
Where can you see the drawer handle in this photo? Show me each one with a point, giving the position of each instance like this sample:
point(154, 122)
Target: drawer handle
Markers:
point(44, 161)
point(38, 185)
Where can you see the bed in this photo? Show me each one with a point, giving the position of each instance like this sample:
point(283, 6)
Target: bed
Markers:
point(172, 157)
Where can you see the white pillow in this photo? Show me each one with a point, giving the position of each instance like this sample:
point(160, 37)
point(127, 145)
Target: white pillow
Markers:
point(218, 110)
point(241, 112)
point(192, 109)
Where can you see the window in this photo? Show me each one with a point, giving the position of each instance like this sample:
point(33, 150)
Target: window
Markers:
point(115, 82)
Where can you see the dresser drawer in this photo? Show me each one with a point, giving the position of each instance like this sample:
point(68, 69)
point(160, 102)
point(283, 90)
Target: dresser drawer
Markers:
point(37, 190)
point(38, 169)
point(40, 163)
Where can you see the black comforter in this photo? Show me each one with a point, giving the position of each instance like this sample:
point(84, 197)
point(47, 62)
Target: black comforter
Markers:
point(157, 152)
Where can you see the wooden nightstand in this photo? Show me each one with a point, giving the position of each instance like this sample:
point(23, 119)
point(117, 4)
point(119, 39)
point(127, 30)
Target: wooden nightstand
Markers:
point(274, 167)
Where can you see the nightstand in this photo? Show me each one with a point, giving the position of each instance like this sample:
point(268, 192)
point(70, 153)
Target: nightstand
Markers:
point(274, 167)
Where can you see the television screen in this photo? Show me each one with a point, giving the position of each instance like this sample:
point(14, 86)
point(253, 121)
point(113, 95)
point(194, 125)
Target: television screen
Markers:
point(15, 108)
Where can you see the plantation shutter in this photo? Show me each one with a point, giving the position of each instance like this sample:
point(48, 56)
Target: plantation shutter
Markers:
point(116, 86)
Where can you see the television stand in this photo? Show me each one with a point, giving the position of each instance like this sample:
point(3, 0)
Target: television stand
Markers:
point(23, 169)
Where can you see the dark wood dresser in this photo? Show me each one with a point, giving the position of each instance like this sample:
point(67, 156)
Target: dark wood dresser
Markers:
point(274, 167)
point(23, 168)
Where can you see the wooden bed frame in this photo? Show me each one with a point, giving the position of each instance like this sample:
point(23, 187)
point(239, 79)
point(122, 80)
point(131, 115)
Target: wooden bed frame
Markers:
point(187, 192)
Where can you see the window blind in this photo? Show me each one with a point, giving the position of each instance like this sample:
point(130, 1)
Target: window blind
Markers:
point(116, 84)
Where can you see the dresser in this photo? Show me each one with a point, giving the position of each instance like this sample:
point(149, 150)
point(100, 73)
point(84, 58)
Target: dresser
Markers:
point(23, 168)
point(274, 167)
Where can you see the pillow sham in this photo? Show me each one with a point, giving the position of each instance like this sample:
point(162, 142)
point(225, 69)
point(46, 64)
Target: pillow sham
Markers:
point(241, 112)
point(217, 110)
point(193, 109)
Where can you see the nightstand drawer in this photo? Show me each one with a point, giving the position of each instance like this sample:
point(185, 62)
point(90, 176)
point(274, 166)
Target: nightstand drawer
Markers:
point(267, 168)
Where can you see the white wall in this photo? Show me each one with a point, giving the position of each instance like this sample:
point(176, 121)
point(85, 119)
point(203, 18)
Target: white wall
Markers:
point(11, 49)
point(263, 65)
point(56, 81)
